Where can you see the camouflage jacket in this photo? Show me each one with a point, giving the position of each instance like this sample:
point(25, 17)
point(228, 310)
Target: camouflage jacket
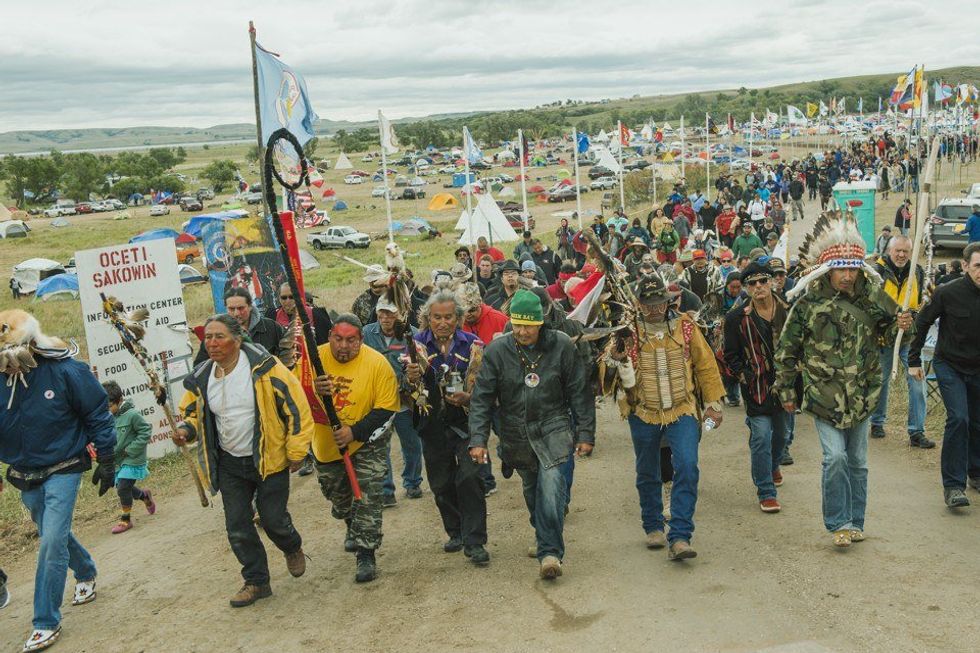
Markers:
point(834, 340)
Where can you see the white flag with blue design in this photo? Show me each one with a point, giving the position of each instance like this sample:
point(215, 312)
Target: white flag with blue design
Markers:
point(471, 151)
point(283, 100)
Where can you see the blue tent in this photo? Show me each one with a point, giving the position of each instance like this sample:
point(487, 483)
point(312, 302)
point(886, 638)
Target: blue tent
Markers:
point(196, 224)
point(340, 205)
point(154, 234)
point(59, 286)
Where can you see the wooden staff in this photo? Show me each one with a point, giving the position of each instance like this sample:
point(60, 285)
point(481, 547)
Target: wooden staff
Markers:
point(136, 348)
point(921, 216)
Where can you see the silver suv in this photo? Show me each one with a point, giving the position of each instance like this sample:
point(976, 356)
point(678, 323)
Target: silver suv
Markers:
point(949, 222)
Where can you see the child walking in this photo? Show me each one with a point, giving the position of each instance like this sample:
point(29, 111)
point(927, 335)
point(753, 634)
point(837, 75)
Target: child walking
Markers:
point(132, 436)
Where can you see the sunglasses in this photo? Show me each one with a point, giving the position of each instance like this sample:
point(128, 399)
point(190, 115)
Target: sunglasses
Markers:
point(755, 282)
point(285, 296)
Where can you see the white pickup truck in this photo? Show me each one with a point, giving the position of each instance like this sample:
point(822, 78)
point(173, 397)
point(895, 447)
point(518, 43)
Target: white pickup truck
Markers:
point(346, 237)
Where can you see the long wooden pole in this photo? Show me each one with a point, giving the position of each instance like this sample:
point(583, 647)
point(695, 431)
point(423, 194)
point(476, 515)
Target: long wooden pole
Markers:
point(258, 112)
point(524, 214)
point(384, 177)
point(578, 196)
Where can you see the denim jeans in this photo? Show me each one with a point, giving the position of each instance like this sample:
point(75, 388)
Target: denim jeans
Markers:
point(845, 474)
point(411, 454)
point(917, 392)
point(790, 430)
point(239, 482)
point(546, 498)
point(732, 389)
point(51, 506)
point(961, 439)
point(682, 436)
point(767, 442)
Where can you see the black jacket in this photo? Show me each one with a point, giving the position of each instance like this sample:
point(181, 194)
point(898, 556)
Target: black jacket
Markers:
point(958, 304)
point(549, 263)
point(535, 426)
point(796, 189)
point(750, 345)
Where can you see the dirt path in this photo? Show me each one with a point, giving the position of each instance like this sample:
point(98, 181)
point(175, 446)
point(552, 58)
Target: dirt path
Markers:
point(759, 581)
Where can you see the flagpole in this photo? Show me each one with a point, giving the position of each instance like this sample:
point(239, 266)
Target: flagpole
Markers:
point(258, 113)
point(622, 191)
point(707, 160)
point(578, 196)
point(682, 148)
point(520, 144)
point(751, 127)
point(469, 195)
point(384, 176)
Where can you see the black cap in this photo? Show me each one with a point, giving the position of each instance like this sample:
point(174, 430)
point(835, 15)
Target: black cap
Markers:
point(510, 265)
point(757, 269)
point(651, 289)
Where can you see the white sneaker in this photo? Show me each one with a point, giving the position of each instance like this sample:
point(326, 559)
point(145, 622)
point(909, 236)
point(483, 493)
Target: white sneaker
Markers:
point(84, 592)
point(42, 639)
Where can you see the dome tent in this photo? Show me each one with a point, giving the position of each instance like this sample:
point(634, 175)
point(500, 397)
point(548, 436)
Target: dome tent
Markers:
point(59, 286)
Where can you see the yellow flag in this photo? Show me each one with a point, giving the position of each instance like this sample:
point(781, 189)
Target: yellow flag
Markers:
point(918, 88)
point(811, 109)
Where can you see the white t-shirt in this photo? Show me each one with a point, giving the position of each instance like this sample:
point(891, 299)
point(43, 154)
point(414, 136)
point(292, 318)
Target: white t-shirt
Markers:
point(231, 401)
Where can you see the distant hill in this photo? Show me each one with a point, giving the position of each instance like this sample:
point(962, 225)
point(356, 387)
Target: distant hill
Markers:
point(585, 114)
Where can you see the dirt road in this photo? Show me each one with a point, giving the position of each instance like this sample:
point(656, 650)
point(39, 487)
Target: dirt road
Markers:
point(759, 581)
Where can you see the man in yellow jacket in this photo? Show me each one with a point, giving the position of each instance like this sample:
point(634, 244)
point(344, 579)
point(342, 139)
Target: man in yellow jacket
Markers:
point(253, 422)
point(364, 390)
point(894, 267)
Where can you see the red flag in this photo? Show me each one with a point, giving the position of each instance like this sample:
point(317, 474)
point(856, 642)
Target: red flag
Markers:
point(731, 123)
point(527, 151)
point(624, 134)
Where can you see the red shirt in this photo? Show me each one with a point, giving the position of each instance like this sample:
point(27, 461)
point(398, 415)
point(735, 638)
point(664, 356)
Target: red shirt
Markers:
point(724, 223)
point(492, 252)
point(491, 322)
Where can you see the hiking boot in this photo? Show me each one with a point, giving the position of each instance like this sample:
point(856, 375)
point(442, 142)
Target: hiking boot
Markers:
point(413, 492)
point(306, 468)
point(296, 563)
point(453, 545)
point(151, 505)
point(550, 568)
point(786, 459)
point(777, 477)
point(955, 498)
point(121, 526)
point(389, 501)
point(877, 431)
point(919, 439)
point(681, 550)
point(367, 569)
point(249, 594)
point(477, 554)
point(770, 505)
point(656, 540)
point(974, 482)
point(842, 538)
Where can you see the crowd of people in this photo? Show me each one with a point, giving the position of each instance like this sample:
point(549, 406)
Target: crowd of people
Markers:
point(497, 367)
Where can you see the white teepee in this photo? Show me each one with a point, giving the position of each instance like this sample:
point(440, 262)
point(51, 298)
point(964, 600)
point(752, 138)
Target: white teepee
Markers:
point(343, 163)
point(488, 221)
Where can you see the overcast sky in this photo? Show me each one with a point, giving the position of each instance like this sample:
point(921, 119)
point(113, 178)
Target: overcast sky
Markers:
point(96, 63)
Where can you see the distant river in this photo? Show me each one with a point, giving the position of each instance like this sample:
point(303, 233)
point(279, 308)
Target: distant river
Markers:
point(231, 141)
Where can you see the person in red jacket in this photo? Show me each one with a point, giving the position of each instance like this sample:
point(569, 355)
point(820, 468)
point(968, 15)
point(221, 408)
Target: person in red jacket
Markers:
point(479, 318)
point(687, 211)
point(727, 224)
point(483, 247)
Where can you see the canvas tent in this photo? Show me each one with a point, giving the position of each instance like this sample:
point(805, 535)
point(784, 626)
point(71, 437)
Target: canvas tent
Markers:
point(60, 221)
point(189, 274)
point(489, 221)
point(442, 201)
point(59, 286)
point(343, 163)
point(5, 213)
point(154, 234)
point(307, 260)
point(605, 158)
point(195, 225)
point(34, 270)
point(13, 229)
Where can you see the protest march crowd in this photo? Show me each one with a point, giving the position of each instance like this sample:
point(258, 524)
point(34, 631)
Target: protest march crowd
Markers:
point(669, 316)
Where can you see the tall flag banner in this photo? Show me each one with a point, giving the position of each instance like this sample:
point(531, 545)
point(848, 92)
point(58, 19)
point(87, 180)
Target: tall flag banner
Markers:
point(904, 83)
point(582, 142)
point(625, 135)
point(771, 118)
point(472, 153)
point(794, 116)
point(731, 123)
point(811, 109)
point(526, 148)
point(840, 106)
point(833, 105)
point(879, 104)
point(861, 105)
point(712, 127)
point(943, 92)
point(823, 109)
point(388, 139)
point(918, 87)
point(283, 100)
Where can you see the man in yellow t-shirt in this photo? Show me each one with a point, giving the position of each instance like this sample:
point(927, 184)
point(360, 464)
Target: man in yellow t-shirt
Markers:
point(365, 394)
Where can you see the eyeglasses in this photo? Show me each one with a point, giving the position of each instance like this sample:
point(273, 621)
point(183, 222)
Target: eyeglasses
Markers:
point(285, 296)
point(754, 282)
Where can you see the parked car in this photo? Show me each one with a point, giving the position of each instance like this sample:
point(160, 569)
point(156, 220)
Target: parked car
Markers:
point(99, 206)
point(505, 178)
point(83, 207)
point(600, 171)
point(401, 180)
point(603, 183)
point(253, 197)
point(205, 194)
point(516, 221)
point(190, 203)
point(346, 237)
point(159, 209)
point(412, 193)
point(639, 164)
point(188, 254)
point(607, 200)
point(563, 194)
point(447, 170)
point(353, 179)
point(974, 192)
point(480, 165)
point(949, 221)
point(56, 211)
point(379, 191)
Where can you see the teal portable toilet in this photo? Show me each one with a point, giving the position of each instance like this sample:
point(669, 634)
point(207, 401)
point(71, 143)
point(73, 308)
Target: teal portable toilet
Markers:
point(859, 198)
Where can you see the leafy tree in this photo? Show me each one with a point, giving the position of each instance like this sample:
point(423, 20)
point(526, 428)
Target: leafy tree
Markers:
point(220, 173)
point(37, 175)
point(166, 158)
point(82, 175)
point(310, 148)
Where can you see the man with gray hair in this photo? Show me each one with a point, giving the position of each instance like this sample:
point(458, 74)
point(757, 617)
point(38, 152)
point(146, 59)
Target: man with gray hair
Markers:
point(454, 359)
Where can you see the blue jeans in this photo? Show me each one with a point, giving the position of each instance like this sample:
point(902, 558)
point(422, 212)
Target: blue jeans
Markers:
point(732, 389)
point(411, 454)
point(961, 439)
point(845, 474)
point(546, 498)
point(51, 506)
point(790, 429)
point(767, 441)
point(917, 392)
point(682, 436)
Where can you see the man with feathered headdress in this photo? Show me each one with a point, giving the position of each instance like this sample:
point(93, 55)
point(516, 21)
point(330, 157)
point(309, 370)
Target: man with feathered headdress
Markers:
point(832, 336)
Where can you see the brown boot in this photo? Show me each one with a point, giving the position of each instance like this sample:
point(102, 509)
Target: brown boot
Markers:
point(681, 550)
point(249, 594)
point(296, 563)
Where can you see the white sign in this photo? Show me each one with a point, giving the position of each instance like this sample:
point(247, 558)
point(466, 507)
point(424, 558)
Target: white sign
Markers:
point(139, 275)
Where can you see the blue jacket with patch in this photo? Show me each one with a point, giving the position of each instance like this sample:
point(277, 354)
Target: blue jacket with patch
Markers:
point(62, 409)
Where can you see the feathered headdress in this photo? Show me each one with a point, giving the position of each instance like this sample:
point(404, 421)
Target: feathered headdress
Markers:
point(835, 242)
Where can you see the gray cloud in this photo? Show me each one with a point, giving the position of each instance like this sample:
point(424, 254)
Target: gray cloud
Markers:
point(187, 63)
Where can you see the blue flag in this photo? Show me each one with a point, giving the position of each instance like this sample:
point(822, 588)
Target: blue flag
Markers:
point(472, 152)
point(582, 142)
point(283, 100)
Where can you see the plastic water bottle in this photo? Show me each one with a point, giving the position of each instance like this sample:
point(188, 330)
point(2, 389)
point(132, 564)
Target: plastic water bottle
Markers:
point(709, 424)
